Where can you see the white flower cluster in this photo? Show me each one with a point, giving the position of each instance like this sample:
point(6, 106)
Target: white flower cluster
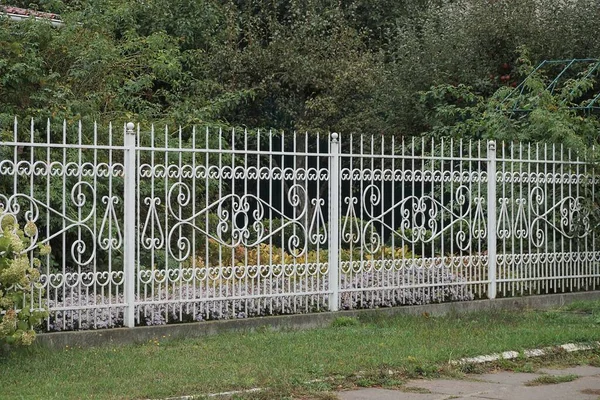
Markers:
point(185, 303)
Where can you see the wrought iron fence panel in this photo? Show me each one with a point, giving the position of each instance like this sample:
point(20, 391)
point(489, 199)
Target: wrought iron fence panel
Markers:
point(231, 225)
point(70, 185)
point(546, 223)
point(151, 226)
point(413, 222)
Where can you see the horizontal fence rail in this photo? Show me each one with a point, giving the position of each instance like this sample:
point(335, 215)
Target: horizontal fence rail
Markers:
point(153, 226)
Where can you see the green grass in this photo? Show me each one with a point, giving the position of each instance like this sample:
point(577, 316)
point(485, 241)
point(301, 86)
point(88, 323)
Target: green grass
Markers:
point(551, 380)
point(587, 307)
point(370, 351)
point(345, 322)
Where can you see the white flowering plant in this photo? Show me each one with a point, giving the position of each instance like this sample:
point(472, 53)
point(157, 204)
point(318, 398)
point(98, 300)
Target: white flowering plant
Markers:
point(18, 275)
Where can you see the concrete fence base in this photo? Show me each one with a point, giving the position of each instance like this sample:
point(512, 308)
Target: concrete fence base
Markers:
point(122, 336)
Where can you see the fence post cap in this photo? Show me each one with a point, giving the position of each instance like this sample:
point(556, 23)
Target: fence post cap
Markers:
point(130, 127)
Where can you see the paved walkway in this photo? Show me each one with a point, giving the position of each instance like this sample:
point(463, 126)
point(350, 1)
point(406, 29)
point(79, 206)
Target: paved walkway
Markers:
point(496, 386)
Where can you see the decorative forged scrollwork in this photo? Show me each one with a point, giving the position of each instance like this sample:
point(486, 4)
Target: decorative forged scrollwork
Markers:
point(227, 272)
point(407, 175)
point(573, 218)
point(227, 172)
point(412, 264)
point(419, 217)
point(12, 206)
point(503, 228)
point(57, 168)
point(520, 229)
point(548, 258)
point(479, 230)
point(317, 236)
point(545, 177)
point(110, 220)
point(567, 217)
point(153, 236)
point(351, 227)
point(89, 279)
point(83, 197)
point(240, 221)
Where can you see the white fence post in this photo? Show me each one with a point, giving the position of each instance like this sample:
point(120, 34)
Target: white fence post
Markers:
point(129, 228)
point(491, 170)
point(334, 231)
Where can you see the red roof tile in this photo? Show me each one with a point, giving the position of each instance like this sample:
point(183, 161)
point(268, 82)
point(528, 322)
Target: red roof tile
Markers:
point(26, 12)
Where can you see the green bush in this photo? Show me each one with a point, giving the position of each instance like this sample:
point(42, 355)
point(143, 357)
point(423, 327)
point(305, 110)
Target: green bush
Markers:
point(17, 278)
point(544, 113)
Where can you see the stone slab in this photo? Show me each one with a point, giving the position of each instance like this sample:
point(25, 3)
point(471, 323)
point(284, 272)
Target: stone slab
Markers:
point(385, 394)
point(544, 392)
point(505, 386)
point(506, 377)
point(587, 385)
point(582, 370)
point(459, 387)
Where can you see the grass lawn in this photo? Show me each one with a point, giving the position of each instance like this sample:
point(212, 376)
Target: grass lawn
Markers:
point(163, 368)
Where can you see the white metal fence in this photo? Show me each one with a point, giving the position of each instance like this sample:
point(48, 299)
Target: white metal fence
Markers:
point(151, 227)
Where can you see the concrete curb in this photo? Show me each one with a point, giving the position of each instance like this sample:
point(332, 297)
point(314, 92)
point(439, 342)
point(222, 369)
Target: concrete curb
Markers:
point(509, 355)
point(122, 336)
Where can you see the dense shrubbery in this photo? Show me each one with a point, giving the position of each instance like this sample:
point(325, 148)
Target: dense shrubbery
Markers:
point(353, 66)
point(17, 275)
point(533, 112)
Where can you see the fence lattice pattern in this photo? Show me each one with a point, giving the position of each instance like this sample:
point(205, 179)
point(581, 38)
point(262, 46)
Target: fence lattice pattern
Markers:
point(154, 226)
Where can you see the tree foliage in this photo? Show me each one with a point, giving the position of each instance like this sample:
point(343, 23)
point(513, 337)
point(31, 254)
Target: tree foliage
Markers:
point(353, 67)
point(534, 112)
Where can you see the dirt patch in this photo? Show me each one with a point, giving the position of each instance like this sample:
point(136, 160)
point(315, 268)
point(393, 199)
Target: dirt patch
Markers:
point(591, 391)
